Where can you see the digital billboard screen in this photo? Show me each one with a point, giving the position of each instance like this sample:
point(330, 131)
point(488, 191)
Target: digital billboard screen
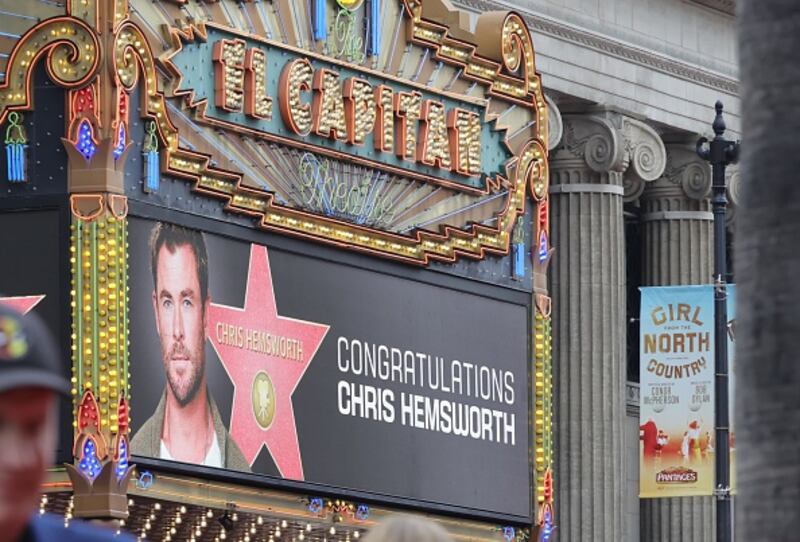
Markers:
point(258, 359)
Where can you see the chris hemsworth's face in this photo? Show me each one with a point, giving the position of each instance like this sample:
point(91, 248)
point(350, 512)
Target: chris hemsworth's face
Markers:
point(180, 317)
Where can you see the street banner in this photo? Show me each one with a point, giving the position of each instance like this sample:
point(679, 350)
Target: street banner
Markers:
point(676, 426)
point(255, 359)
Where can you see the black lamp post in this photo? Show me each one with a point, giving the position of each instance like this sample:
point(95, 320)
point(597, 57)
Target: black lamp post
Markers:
point(720, 152)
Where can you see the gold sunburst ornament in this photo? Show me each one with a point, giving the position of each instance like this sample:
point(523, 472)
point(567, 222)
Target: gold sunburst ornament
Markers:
point(350, 5)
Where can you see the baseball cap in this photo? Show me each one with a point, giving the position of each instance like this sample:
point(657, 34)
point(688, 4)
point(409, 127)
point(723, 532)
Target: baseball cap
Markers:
point(28, 355)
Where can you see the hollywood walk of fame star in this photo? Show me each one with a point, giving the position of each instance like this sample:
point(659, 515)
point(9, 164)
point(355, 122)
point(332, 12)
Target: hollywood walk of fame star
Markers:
point(23, 304)
point(263, 413)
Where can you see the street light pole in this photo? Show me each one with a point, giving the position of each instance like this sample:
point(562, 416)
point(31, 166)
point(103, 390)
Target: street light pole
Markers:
point(720, 152)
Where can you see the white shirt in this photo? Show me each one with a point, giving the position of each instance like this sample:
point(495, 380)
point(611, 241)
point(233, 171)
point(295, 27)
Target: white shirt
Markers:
point(213, 457)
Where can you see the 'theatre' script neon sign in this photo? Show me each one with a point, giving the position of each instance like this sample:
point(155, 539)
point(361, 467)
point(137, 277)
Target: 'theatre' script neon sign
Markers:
point(298, 98)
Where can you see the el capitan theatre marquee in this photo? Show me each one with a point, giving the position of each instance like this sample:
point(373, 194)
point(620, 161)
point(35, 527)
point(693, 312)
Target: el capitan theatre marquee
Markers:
point(305, 246)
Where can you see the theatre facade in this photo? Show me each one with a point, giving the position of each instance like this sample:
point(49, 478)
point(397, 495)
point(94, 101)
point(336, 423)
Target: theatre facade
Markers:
point(295, 254)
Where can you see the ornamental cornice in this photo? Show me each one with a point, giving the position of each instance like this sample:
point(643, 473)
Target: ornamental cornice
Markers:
point(609, 141)
point(644, 57)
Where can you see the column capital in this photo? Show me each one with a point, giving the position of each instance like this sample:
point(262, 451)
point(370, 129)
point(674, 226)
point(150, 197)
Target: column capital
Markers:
point(612, 142)
point(685, 175)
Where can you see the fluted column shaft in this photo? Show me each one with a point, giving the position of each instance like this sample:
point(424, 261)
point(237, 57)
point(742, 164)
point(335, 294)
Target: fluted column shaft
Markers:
point(677, 249)
point(588, 288)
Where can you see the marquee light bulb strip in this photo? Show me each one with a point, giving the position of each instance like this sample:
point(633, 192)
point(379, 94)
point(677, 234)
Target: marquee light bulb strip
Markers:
point(543, 419)
point(99, 314)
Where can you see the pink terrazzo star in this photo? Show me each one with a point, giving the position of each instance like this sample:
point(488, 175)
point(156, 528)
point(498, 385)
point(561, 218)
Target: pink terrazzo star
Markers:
point(244, 361)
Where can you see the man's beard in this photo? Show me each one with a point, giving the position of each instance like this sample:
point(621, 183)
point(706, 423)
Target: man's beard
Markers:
point(186, 394)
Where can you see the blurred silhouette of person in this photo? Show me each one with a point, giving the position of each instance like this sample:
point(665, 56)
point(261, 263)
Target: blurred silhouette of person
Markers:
point(30, 383)
point(407, 529)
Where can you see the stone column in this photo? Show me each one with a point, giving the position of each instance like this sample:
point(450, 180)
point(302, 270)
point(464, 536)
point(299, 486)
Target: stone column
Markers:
point(602, 155)
point(678, 248)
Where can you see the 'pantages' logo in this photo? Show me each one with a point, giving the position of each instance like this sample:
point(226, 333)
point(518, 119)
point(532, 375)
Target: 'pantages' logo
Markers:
point(676, 475)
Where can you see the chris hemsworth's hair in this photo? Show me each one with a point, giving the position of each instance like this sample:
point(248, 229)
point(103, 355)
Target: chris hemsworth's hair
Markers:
point(172, 237)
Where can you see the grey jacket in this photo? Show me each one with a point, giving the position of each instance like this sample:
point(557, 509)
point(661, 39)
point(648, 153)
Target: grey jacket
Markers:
point(147, 441)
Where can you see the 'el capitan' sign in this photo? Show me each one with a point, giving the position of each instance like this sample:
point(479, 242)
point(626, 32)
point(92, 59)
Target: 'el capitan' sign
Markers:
point(334, 108)
point(390, 127)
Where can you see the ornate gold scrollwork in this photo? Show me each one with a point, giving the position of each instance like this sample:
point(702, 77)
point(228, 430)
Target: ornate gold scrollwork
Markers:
point(517, 48)
point(73, 58)
point(132, 54)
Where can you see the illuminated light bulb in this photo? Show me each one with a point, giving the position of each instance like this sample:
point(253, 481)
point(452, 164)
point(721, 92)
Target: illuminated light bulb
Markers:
point(283, 523)
point(333, 530)
point(260, 520)
point(308, 527)
point(210, 514)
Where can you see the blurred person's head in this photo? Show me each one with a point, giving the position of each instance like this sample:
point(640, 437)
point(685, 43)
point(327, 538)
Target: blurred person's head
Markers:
point(179, 262)
point(407, 529)
point(30, 382)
